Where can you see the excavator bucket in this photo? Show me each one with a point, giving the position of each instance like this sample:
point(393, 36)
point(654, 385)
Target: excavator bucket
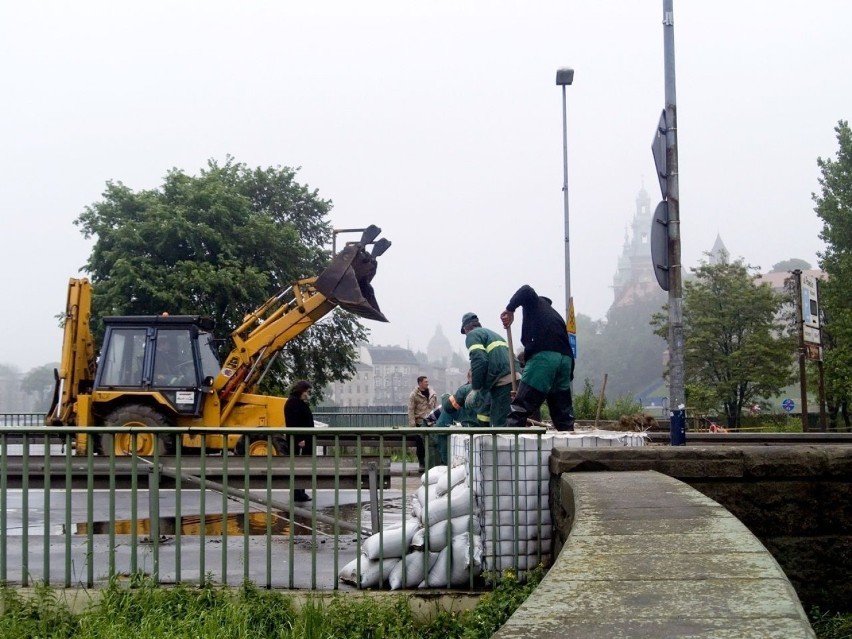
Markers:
point(346, 281)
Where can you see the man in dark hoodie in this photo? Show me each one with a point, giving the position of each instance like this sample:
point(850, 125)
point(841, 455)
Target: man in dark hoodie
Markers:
point(548, 360)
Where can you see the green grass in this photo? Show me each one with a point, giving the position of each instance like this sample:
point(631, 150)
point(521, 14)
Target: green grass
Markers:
point(187, 612)
point(831, 626)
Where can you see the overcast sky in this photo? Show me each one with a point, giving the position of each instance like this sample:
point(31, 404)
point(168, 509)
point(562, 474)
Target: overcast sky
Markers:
point(439, 121)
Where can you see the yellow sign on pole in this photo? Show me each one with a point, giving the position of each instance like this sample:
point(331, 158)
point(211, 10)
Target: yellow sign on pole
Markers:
point(571, 325)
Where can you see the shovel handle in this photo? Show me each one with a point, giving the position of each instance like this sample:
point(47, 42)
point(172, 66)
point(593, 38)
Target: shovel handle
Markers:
point(511, 358)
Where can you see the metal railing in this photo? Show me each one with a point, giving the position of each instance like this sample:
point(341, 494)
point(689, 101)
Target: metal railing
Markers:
point(76, 517)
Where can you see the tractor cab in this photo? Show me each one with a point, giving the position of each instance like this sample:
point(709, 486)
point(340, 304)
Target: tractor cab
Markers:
point(173, 355)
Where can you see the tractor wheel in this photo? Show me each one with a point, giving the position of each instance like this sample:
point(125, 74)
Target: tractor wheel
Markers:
point(258, 446)
point(138, 417)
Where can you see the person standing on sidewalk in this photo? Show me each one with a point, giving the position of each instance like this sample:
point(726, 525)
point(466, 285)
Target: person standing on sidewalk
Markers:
point(297, 414)
point(548, 360)
point(422, 401)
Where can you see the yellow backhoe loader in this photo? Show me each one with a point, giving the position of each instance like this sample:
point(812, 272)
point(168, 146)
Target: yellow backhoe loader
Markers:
point(163, 370)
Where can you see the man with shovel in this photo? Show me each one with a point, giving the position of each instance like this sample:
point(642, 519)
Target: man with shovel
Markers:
point(548, 361)
point(490, 372)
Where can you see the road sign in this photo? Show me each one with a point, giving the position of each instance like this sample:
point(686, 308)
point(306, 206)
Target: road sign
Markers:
point(658, 148)
point(810, 309)
point(788, 405)
point(571, 327)
point(660, 244)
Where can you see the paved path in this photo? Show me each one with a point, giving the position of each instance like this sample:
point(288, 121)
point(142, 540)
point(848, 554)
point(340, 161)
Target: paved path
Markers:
point(648, 556)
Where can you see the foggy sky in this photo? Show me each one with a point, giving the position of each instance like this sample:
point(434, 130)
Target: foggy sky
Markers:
point(439, 121)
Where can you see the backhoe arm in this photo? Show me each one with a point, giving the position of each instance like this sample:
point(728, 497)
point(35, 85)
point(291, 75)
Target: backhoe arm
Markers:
point(346, 282)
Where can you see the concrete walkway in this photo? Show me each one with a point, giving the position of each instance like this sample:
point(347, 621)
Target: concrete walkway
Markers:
point(648, 556)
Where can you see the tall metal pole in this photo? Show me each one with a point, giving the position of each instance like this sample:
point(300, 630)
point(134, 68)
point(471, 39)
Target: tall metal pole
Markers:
point(565, 202)
point(800, 322)
point(677, 400)
point(564, 78)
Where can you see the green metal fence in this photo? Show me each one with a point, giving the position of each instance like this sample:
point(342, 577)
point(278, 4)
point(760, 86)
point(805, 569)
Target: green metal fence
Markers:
point(75, 517)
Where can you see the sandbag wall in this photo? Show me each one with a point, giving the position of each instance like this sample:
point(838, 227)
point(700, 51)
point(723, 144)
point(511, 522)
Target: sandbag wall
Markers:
point(439, 546)
point(488, 511)
point(510, 478)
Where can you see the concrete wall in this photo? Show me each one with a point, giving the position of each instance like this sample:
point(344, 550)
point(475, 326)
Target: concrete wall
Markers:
point(796, 499)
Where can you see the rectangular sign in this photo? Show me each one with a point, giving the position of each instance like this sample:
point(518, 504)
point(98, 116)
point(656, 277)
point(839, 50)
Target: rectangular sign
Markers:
point(810, 309)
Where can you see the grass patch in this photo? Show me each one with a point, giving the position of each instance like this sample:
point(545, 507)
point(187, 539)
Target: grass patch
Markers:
point(831, 625)
point(188, 612)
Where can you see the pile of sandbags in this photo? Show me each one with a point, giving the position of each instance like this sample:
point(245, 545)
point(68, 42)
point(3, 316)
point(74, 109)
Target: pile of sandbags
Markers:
point(438, 547)
point(510, 476)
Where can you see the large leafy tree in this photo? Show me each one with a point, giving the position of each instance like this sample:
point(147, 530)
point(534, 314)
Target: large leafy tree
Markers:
point(735, 348)
point(219, 244)
point(834, 207)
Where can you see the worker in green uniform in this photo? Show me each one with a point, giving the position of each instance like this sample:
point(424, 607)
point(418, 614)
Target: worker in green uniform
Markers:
point(490, 373)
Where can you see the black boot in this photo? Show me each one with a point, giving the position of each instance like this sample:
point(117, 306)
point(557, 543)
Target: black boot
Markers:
point(527, 401)
point(561, 410)
point(300, 495)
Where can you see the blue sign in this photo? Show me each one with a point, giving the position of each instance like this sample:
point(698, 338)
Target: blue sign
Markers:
point(572, 340)
point(788, 405)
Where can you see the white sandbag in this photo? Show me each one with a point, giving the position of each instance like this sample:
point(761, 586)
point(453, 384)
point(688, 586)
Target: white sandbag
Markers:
point(438, 533)
point(432, 475)
point(426, 492)
point(449, 480)
point(447, 507)
point(414, 570)
point(392, 539)
point(371, 575)
point(461, 566)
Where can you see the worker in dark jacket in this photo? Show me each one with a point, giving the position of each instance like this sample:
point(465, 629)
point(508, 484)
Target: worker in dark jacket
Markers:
point(548, 360)
point(490, 373)
point(297, 414)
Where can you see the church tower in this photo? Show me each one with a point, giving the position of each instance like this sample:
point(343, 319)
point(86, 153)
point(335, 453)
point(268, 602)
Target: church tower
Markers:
point(634, 278)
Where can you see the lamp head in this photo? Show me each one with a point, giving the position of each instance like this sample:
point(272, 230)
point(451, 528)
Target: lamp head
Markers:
point(564, 76)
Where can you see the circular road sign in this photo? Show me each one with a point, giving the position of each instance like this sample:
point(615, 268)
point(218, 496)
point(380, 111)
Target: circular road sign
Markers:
point(788, 405)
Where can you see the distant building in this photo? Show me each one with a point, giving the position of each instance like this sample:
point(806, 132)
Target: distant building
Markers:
point(386, 375)
point(634, 277)
point(439, 350)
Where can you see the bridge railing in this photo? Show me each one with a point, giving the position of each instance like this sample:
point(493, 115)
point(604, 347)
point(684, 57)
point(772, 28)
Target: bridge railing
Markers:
point(73, 515)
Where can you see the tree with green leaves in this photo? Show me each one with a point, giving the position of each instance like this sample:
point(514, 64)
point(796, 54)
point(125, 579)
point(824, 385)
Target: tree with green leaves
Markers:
point(219, 244)
point(834, 207)
point(790, 265)
point(736, 350)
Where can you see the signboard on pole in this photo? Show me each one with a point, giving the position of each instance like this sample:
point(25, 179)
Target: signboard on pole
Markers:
point(660, 244)
point(810, 310)
point(788, 405)
point(571, 326)
point(658, 149)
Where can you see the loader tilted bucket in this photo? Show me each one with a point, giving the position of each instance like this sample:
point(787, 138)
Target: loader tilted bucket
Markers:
point(346, 280)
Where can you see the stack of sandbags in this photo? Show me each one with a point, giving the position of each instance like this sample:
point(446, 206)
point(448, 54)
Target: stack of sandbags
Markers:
point(510, 477)
point(440, 546)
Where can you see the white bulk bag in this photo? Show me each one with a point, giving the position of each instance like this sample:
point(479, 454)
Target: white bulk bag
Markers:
point(458, 503)
point(414, 570)
point(394, 543)
point(371, 576)
point(453, 478)
point(461, 567)
point(438, 533)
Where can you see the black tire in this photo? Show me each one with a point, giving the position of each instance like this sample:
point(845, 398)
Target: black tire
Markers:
point(279, 444)
point(136, 415)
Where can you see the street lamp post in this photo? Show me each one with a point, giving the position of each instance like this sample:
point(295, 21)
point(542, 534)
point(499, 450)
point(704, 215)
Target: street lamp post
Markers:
point(564, 78)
